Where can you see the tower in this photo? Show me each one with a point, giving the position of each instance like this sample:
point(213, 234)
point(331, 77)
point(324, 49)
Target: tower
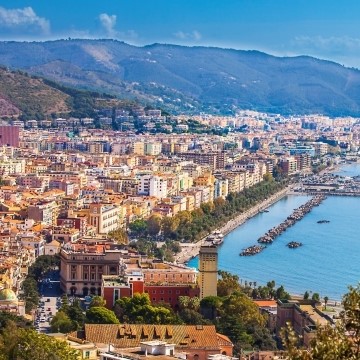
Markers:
point(208, 268)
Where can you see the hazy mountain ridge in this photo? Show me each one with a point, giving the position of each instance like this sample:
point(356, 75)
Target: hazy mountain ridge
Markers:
point(186, 78)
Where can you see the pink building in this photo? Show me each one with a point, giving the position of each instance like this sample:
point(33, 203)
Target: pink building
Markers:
point(9, 135)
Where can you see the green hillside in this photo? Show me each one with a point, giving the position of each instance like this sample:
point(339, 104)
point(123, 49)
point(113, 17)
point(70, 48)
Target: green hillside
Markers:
point(30, 97)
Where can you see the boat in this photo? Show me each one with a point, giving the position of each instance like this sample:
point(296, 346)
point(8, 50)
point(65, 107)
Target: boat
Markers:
point(323, 221)
point(216, 237)
point(294, 244)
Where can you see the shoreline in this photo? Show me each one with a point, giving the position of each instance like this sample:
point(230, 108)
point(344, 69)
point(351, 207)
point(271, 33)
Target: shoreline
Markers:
point(190, 250)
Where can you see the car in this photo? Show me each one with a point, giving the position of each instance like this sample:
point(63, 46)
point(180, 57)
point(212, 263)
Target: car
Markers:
point(48, 309)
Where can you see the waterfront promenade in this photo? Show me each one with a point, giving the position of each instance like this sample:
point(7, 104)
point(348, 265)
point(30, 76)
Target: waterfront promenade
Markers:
point(190, 250)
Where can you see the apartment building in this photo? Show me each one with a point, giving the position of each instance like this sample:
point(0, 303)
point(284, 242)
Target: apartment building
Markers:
point(104, 217)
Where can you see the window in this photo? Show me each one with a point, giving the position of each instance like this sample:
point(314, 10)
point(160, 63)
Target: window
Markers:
point(116, 294)
point(87, 354)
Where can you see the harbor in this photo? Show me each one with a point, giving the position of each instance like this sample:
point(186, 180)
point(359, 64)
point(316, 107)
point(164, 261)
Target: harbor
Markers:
point(297, 215)
point(191, 250)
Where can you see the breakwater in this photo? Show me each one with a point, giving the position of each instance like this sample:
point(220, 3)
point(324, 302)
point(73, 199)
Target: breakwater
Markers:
point(269, 237)
point(297, 215)
point(189, 251)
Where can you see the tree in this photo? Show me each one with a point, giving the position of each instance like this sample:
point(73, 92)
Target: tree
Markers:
point(76, 314)
point(65, 304)
point(227, 284)
point(138, 227)
point(316, 297)
point(119, 236)
point(268, 177)
point(169, 225)
point(306, 295)
point(27, 344)
point(30, 294)
point(333, 342)
point(192, 317)
point(138, 309)
point(101, 315)
point(61, 323)
point(209, 306)
point(326, 299)
point(282, 294)
point(97, 301)
point(154, 224)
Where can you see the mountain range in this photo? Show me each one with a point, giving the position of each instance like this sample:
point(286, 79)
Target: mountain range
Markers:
point(192, 79)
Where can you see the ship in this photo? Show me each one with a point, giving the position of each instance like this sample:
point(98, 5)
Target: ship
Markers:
point(216, 238)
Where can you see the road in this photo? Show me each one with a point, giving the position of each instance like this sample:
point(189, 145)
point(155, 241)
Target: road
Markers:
point(49, 301)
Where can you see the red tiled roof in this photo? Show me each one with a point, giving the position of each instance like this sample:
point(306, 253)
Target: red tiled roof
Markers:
point(127, 336)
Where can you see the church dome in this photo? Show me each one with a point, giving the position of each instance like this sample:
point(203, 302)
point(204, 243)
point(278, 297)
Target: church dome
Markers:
point(7, 295)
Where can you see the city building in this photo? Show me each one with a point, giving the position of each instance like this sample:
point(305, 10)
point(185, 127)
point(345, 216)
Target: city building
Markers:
point(198, 342)
point(9, 135)
point(208, 271)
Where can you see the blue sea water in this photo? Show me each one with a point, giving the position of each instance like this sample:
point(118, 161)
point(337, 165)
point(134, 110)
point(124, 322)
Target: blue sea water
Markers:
point(329, 259)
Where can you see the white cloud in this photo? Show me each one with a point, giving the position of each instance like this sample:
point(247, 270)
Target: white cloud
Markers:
point(128, 35)
point(20, 19)
point(108, 22)
point(330, 44)
point(193, 35)
point(196, 35)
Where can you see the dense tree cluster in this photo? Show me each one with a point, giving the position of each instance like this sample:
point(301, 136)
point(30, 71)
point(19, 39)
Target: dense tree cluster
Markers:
point(18, 342)
point(192, 226)
point(36, 271)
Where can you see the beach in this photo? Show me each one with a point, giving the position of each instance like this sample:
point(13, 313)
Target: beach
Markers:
point(190, 250)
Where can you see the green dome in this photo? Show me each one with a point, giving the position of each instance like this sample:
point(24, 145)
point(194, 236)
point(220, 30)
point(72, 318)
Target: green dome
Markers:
point(7, 295)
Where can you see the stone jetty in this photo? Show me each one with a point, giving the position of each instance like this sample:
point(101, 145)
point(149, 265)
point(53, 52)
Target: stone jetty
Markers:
point(297, 215)
point(294, 244)
point(252, 250)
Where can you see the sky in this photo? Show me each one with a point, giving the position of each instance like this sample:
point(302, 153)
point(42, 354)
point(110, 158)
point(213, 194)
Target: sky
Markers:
point(327, 29)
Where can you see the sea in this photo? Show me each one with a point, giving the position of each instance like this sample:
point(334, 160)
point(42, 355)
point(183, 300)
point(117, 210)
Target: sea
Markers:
point(327, 263)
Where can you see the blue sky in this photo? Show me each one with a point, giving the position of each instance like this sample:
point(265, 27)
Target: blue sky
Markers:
point(327, 29)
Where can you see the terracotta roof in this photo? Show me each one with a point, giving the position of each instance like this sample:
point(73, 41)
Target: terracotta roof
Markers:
point(265, 303)
point(126, 336)
point(223, 340)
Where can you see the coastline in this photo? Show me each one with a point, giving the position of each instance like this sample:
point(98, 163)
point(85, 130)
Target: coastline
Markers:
point(190, 250)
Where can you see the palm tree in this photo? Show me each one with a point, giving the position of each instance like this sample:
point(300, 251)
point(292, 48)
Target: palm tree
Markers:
point(326, 299)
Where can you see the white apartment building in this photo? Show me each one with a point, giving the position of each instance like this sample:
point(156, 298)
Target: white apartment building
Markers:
point(104, 217)
point(152, 185)
point(158, 187)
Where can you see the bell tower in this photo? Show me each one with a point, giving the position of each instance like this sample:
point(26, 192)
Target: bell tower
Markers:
point(208, 270)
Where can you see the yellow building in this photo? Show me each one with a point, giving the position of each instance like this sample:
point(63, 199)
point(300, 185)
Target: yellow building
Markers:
point(138, 148)
point(208, 269)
